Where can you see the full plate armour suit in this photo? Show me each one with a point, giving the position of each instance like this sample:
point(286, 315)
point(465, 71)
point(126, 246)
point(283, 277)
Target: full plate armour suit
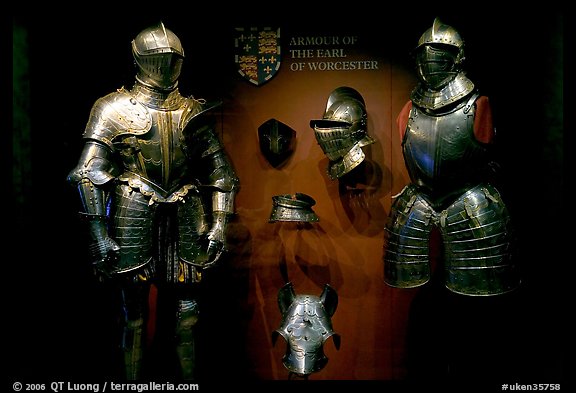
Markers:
point(157, 192)
point(447, 135)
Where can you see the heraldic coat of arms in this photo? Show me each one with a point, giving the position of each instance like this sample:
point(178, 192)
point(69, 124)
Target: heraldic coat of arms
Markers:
point(257, 53)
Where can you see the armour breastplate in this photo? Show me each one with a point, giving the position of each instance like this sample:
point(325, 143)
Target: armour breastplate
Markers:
point(159, 155)
point(441, 152)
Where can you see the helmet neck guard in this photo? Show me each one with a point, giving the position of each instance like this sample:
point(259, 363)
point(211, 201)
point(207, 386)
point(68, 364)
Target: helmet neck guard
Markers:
point(456, 90)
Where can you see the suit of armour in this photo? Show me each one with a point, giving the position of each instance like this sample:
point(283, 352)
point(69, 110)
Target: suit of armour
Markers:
point(447, 133)
point(157, 190)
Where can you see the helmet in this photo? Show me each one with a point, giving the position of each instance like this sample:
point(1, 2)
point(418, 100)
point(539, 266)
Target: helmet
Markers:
point(439, 55)
point(341, 133)
point(158, 54)
point(441, 33)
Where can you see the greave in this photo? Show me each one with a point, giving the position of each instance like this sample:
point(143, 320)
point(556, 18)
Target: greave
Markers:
point(185, 338)
point(132, 348)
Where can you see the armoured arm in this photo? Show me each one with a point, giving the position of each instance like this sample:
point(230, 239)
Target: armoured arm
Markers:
point(218, 177)
point(91, 177)
point(224, 186)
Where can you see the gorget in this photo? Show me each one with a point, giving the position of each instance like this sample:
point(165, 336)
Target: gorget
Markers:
point(455, 90)
point(157, 99)
point(296, 207)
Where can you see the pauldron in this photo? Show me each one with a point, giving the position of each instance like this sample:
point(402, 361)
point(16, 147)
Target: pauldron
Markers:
point(117, 114)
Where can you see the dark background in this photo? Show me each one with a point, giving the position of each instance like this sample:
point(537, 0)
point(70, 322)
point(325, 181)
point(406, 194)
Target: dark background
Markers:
point(55, 311)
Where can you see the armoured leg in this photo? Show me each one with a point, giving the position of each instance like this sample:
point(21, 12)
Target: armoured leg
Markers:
point(185, 337)
point(478, 240)
point(406, 258)
point(134, 299)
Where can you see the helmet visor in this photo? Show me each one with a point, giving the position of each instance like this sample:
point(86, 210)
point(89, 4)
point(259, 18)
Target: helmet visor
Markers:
point(160, 70)
point(436, 64)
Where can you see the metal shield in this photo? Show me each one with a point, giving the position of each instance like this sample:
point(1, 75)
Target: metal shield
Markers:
point(277, 141)
point(257, 53)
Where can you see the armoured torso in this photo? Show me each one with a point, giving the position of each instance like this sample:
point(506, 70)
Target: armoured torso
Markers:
point(146, 129)
point(441, 153)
